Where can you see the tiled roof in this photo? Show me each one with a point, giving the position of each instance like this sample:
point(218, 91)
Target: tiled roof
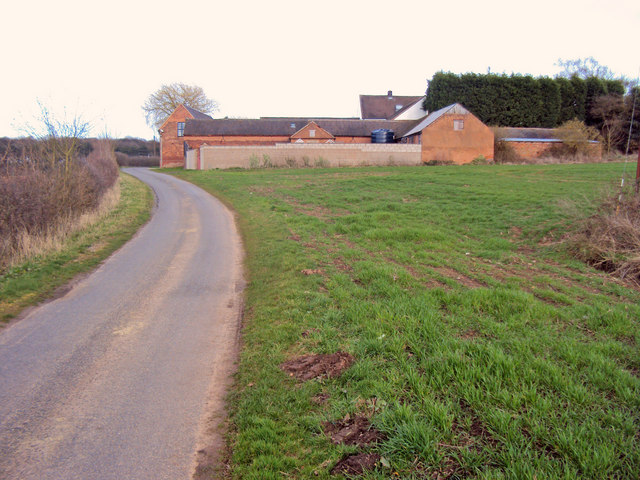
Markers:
point(289, 126)
point(384, 106)
point(196, 113)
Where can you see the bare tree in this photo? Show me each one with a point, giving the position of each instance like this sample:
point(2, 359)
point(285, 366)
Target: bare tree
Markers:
point(59, 139)
point(608, 110)
point(584, 68)
point(164, 101)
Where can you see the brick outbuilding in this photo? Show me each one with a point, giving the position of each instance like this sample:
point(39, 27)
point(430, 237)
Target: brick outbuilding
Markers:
point(452, 135)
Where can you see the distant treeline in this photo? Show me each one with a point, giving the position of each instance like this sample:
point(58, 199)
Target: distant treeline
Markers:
point(137, 147)
point(133, 147)
point(520, 100)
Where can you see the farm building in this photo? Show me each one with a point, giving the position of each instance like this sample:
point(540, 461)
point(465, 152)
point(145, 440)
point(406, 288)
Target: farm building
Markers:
point(451, 134)
point(172, 146)
point(391, 107)
point(532, 143)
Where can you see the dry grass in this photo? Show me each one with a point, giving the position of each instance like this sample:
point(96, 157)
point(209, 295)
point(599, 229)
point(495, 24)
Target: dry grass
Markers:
point(52, 239)
point(40, 198)
point(610, 238)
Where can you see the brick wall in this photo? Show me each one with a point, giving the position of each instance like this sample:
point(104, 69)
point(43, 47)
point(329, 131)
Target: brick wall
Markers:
point(441, 142)
point(529, 150)
point(334, 155)
point(538, 149)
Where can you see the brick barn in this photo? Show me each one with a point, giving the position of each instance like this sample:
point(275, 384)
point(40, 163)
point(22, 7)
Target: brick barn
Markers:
point(450, 135)
point(172, 146)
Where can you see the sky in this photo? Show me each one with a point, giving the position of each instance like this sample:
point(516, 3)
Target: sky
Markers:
point(99, 61)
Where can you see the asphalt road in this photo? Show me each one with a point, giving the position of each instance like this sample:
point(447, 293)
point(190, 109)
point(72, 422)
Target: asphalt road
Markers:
point(124, 376)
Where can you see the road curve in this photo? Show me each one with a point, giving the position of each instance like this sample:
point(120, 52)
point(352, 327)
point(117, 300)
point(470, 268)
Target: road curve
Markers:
point(123, 377)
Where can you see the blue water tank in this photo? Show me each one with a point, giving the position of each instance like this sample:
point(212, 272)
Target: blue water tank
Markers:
point(382, 135)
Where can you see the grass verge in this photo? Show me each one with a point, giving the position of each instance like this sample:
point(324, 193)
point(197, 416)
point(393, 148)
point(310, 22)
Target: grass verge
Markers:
point(39, 277)
point(481, 349)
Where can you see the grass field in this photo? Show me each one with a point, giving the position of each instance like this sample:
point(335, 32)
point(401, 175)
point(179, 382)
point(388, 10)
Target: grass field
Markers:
point(38, 278)
point(481, 350)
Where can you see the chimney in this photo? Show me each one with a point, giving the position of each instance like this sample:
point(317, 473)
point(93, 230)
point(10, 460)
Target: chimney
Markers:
point(390, 94)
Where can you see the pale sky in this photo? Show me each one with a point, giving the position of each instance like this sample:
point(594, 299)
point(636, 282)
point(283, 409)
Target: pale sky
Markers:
point(101, 60)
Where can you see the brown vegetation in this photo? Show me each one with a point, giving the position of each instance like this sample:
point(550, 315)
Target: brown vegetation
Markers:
point(610, 238)
point(41, 189)
point(308, 367)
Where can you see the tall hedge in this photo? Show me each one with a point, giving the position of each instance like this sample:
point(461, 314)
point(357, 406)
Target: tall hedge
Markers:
point(519, 100)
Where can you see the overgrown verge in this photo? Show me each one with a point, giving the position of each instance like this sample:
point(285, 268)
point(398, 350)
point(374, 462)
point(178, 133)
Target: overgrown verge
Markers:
point(46, 190)
point(28, 282)
point(418, 323)
point(609, 239)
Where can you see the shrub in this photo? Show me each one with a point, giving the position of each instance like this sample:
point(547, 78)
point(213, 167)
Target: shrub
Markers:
point(610, 238)
point(291, 162)
point(436, 162)
point(37, 195)
point(505, 153)
point(480, 160)
point(321, 163)
point(254, 162)
point(576, 137)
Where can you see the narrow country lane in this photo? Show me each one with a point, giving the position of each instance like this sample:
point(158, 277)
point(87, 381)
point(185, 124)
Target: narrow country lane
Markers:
point(121, 377)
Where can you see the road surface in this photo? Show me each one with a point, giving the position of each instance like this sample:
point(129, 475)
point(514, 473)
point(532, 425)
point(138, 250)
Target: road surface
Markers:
point(124, 376)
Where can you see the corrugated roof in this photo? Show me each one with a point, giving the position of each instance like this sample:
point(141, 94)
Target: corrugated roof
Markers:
point(289, 126)
point(529, 133)
point(384, 106)
point(432, 117)
point(197, 114)
point(536, 140)
point(533, 140)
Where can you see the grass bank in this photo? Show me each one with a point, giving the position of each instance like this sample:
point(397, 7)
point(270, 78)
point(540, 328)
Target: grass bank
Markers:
point(480, 349)
point(38, 278)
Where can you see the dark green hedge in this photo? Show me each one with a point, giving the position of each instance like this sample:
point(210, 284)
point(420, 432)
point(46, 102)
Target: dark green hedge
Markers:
point(519, 100)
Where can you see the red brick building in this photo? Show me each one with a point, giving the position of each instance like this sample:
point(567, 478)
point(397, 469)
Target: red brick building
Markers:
point(391, 107)
point(451, 134)
point(532, 143)
point(171, 133)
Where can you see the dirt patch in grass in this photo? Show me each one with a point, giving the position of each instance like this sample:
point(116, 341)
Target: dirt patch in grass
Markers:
point(477, 434)
point(309, 367)
point(341, 265)
point(515, 233)
point(261, 190)
point(470, 335)
point(352, 431)
point(459, 277)
point(311, 271)
point(356, 464)
point(318, 211)
point(449, 469)
point(320, 399)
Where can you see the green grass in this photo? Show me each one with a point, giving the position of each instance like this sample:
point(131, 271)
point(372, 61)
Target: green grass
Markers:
point(482, 350)
point(38, 278)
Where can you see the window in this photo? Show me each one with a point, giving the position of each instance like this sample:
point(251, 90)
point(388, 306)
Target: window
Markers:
point(181, 129)
point(399, 107)
point(458, 124)
point(312, 133)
